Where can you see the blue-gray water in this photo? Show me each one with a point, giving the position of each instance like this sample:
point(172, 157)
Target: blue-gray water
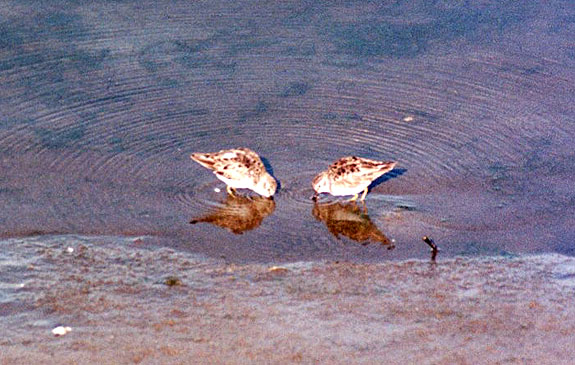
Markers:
point(102, 103)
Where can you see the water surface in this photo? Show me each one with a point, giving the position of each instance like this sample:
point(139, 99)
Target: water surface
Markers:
point(102, 103)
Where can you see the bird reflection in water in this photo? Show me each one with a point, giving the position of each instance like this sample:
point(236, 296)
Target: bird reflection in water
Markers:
point(349, 220)
point(239, 213)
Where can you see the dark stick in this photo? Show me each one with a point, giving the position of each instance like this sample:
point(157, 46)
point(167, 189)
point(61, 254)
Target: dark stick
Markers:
point(434, 248)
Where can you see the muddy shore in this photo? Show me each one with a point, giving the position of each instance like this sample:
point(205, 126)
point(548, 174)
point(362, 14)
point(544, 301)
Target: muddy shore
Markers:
point(129, 302)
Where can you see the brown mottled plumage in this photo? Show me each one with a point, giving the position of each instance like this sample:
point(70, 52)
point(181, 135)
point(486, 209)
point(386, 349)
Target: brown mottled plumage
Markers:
point(350, 176)
point(239, 168)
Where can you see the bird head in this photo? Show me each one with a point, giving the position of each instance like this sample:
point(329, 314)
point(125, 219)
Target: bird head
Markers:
point(267, 186)
point(321, 184)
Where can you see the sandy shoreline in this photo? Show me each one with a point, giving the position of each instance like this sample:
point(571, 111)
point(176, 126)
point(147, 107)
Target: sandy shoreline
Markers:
point(114, 294)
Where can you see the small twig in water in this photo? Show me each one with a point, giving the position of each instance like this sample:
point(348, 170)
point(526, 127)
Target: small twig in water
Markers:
point(434, 248)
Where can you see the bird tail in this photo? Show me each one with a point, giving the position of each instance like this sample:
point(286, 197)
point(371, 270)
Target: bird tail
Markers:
point(387, 166)
point(203, 159)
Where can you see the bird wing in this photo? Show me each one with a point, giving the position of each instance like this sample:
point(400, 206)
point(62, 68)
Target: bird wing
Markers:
point(238, 163)
point(355, 170)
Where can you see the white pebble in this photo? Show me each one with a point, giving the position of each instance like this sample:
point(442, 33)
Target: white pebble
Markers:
point(61, 330)
point(70, 249)
point(217, 190)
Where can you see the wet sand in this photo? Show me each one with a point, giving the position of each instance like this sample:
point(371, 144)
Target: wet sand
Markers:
point(131, 303)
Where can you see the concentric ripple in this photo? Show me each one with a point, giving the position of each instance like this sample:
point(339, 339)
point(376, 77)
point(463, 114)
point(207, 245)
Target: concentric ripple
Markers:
point(298, 189)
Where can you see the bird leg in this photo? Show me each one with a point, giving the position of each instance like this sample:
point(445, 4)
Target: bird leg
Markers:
point(364, 208)
point(231, 191)
point(363, 195)
point(353, 199)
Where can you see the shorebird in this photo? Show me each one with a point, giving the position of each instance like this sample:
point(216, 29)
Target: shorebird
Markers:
point(239, 168)
point(350, 176)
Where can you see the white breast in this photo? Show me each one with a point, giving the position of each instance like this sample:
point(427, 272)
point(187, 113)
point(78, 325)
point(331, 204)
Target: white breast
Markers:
point(236, 184)
point(343, 189)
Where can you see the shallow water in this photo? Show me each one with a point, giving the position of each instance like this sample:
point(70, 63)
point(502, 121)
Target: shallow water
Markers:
point(103, 103)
